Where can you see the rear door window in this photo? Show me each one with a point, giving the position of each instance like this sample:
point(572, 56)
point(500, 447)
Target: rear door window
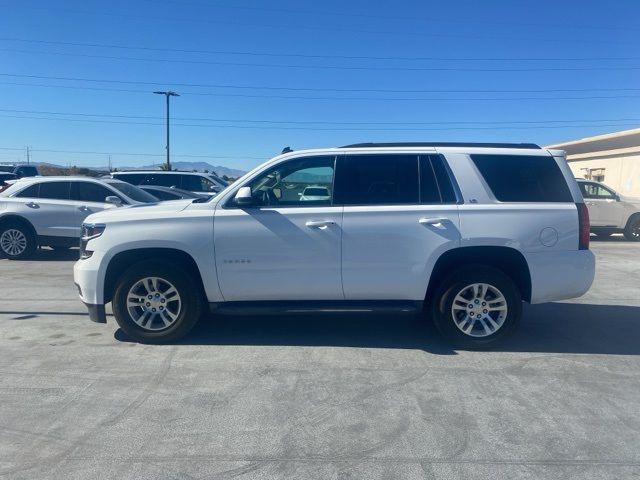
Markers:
point(523, 178)
point(377, 180)
point(30, 192)
point(162, 180)
point(90, 192)
point(132, 178)
point(55, 190)
point(593, 190)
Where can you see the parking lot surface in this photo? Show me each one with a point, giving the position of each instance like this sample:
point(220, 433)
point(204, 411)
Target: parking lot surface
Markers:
point(319, 396)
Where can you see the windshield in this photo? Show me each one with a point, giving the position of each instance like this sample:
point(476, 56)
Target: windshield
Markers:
point(133, 192)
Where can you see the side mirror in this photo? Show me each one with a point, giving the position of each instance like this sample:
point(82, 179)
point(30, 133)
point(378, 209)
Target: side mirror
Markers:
point(243, 197)
point(113, 200)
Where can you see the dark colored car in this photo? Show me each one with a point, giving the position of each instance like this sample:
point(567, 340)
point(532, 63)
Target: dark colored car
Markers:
point(20, 170)
point(170, 193)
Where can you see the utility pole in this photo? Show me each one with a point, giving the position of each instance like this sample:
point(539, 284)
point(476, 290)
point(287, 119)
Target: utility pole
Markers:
point(28, 160)
point(109, 163)
point(168, 94)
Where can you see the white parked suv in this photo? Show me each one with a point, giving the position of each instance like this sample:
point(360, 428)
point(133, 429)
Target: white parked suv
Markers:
point(611, 212)
point(464, 232)
point(49, 211)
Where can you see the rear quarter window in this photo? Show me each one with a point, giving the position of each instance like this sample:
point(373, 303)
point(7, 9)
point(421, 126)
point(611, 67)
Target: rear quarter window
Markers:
point(523, 178)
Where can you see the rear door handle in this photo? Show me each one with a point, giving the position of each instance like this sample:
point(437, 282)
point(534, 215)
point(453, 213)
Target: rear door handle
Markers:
point(591, 203)
point(32, 205)
point(436, 222)
point(83, 208)
point(319, 223)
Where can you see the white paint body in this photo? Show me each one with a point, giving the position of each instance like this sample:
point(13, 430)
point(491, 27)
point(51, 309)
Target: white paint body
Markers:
point(349, 252)
point(54, 217)
point(610, 212)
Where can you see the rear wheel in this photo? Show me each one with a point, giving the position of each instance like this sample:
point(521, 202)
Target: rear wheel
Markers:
point(17, 241)
point(157, 303)
point(477, 307)
point(632, 230)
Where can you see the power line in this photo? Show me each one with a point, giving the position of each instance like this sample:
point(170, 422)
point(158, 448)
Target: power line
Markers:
point(300, 55)
point(296, 89)
point(351, 30)
point(254, 127)
point(134, 154)
point(317, 122)
point(327, 67)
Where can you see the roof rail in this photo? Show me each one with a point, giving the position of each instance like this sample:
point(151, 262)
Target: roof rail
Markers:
point(443, 144)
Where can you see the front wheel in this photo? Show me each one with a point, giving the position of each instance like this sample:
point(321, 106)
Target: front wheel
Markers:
point(477, 307)
point(632, 230)
point(157, 303)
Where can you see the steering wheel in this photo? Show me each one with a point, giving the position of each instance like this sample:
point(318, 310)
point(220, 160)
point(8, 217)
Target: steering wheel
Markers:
point(269, 198)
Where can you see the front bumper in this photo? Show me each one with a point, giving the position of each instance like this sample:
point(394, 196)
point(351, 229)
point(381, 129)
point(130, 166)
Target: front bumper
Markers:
point(96, 313)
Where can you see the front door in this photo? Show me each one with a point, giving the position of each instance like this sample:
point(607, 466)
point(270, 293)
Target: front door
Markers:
point(605, 210)
point(285, 246)
point(90, 198)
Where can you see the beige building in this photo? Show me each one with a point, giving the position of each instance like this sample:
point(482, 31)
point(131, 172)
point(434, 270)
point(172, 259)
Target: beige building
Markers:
point(613, 159)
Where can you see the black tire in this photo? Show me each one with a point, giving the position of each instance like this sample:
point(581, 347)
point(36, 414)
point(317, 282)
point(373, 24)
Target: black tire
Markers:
point(452, 285)
point(189, 291)
point(25, 233)
point(632, 230)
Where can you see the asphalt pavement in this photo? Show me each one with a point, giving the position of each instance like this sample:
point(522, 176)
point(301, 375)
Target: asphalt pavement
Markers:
point(319, 396)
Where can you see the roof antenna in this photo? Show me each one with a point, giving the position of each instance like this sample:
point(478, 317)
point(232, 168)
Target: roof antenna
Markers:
point(286, 150)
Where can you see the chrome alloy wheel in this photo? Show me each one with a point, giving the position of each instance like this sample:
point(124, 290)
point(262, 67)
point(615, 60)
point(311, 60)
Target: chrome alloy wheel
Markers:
point(153, 303)
point(13, 242)
point(479, 310)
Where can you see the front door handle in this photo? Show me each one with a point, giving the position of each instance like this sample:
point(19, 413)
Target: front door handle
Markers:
point(591, 203)
point(32, 205)
point(436, 222)
point(83, 208)
point(322, 224)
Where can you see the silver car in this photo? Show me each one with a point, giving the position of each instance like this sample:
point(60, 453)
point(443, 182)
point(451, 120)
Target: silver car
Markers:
point(49, 211)
point(611, 212)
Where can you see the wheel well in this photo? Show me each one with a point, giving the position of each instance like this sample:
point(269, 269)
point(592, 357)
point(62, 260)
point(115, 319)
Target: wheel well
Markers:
point(124, 260)
point(508, 260)
point(632, 218)
point(20, 220)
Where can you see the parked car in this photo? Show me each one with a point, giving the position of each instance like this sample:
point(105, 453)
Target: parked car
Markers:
point(21, 170)
point(611, 212)
point(171, 193)
point(462, 232)
point(49, 211)
point(315, 193)
point(202, 183)
point(6, 179)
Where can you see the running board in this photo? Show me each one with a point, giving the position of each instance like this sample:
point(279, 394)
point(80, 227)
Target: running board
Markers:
point(307, 307)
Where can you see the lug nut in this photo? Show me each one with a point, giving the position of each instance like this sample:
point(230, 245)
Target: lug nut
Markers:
point(148, 304)
point(484, 311)
point(153, 310)
point(163, 300)
point(150, 297)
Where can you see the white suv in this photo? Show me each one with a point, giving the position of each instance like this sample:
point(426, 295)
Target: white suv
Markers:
point(611, 212)
point(49, 211)
point(464, 232)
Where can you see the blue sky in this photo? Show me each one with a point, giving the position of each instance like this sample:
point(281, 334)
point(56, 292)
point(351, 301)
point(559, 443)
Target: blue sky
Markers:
point(255, 77)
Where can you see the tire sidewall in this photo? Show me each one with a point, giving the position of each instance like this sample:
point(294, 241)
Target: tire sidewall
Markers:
point(31, 241)
point(627, 231)
point(455, 282)
point(187, 288)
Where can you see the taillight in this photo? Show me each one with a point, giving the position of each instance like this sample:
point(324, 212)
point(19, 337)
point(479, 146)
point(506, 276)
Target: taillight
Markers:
point(584, 226)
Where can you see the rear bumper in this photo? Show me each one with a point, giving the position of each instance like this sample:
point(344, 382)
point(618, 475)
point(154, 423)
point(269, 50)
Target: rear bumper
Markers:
point(96, 313)
point(560, 275)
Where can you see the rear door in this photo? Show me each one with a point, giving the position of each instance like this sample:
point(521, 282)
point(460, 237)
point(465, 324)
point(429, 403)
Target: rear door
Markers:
point(52, 213)
point(400, 214)
point(90, 198)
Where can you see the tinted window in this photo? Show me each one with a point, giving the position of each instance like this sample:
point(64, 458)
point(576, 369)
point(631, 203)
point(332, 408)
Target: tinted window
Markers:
point(377, 180)
point(132, 178)
point(26, 171)
point(443, 177)
point(7, 168)
point(593, 190)
point(30, 192)
point(162, 180)
point(284, 184)
point(523, 178)
point(55, 190)
point(221, 182)
point(133, 192)
point(163, 195)
point(7, 176)
point(429, 191)
point(196, 183)
point(91, 192)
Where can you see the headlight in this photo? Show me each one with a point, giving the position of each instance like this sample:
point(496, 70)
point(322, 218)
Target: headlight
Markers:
point(89, 232)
